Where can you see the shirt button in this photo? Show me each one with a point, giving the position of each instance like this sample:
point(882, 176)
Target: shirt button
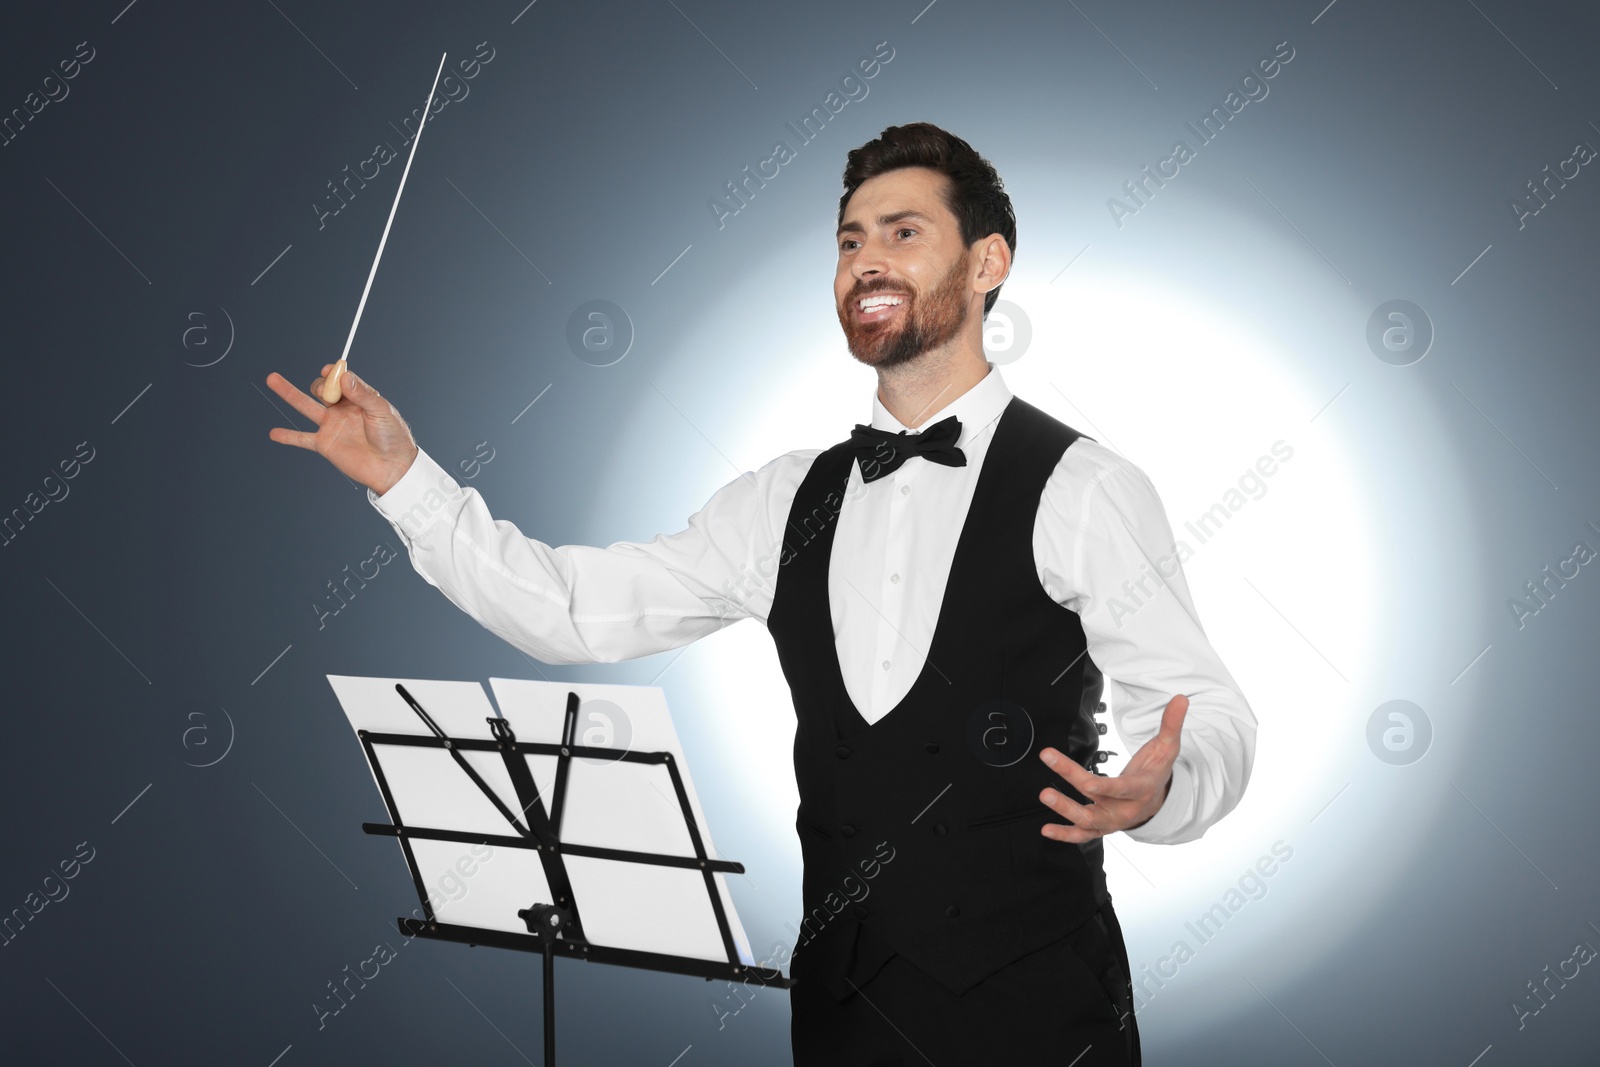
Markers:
point(952, 911)
point(885, 664)
point(904, 489)
point(842, 751)
point(931, 747)
point(894, 577)
point(860, 911)
point(939, 829)
point(847, 830)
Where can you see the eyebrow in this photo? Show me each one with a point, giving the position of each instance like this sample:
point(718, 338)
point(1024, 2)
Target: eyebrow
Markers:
point(852, 226)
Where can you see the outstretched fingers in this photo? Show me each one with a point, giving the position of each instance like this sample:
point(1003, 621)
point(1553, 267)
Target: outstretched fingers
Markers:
point(1123, 786)
point(1069, 769)
point(1083, 823)
point(295, 398)
point(298, 438)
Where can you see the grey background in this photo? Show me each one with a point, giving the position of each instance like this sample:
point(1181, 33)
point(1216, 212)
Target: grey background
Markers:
point(170, 590)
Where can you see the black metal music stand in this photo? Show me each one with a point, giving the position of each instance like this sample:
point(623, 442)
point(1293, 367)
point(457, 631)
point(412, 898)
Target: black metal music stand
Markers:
point(555, 926)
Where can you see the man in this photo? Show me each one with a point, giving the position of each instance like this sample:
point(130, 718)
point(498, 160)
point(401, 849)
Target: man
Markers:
point(941, 602)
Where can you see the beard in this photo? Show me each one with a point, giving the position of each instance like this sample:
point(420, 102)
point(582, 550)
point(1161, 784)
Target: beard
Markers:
point(923, 323)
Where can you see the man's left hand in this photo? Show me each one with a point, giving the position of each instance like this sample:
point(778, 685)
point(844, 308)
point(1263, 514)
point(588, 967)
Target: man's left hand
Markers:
point(1125, 801)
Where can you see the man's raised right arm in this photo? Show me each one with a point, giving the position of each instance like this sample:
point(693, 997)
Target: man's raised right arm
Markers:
point(567, 604)
point(583, 604)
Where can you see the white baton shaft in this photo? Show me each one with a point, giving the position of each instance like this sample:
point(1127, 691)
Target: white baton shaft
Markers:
point(330, 386)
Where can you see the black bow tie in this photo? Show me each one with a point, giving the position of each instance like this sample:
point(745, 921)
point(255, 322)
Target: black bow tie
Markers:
point(881, 452)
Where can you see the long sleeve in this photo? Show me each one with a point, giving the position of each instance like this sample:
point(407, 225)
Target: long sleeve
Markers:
point(1108, 552)
point(581, 604)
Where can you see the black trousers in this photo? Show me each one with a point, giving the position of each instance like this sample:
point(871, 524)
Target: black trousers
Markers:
point(1068, 1004)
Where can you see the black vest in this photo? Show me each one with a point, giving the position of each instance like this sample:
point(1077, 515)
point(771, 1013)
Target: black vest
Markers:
point(920, 832)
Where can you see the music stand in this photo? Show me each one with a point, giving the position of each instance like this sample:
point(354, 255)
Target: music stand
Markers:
point(607, 857)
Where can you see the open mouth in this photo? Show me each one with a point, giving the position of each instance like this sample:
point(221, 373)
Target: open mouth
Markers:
point(879, 307)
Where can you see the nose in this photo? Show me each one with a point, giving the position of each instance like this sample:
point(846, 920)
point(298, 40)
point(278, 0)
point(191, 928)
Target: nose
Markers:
point(868, 260)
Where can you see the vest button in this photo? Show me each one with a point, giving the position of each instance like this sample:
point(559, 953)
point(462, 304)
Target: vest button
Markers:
point(952, 911)
point(931, 747)
point(847, 830)
point(842, 751)
point(860, 911)
point(939, 829)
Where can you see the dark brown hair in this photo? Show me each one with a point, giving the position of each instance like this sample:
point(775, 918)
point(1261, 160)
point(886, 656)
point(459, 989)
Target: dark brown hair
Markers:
point(974, 193)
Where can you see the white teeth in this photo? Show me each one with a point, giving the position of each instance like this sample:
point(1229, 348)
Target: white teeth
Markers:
point(872, 303)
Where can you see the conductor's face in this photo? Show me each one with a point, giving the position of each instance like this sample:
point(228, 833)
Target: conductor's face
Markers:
point(899, 240)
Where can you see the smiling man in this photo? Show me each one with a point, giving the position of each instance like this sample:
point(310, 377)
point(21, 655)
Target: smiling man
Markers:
point(940, 612)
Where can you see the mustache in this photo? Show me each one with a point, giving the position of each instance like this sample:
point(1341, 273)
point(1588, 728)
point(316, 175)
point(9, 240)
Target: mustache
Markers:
point(858, 292)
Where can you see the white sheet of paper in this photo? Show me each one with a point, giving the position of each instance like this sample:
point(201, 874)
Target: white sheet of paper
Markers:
point(617, 804)
point(610, 803)
point(468, 885)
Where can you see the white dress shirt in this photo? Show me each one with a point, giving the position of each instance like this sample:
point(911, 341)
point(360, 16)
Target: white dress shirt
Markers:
point(1102, 547)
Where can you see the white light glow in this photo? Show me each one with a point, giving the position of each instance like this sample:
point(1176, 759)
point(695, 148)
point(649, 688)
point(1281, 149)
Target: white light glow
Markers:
point(1289, 590)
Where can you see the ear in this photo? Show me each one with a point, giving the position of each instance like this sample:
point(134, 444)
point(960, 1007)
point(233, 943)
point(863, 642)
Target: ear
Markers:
point(994, 262)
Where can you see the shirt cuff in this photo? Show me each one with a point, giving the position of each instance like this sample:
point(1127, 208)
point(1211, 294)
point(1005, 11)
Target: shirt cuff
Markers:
point(1174, 814)
point(419, 498)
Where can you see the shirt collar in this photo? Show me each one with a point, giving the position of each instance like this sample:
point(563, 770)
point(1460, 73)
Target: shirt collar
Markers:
point(975, 409)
